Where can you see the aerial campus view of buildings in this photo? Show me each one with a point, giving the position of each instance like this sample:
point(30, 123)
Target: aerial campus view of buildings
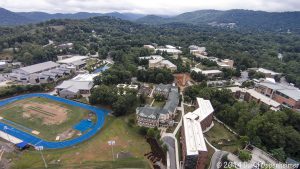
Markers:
point(184, 123)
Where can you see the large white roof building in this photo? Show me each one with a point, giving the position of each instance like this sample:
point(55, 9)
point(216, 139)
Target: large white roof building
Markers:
point(81, 84)
point(192, 127)
point(37, 68)
point(194, 138)
point(72, 60)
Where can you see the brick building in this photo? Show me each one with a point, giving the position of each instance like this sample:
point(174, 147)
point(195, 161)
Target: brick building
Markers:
point(252, 95)
point(287, 95)
point(193, 144)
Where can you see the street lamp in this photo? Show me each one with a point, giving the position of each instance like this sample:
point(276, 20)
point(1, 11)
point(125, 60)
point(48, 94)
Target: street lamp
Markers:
point(112, 143)
point(40, 148)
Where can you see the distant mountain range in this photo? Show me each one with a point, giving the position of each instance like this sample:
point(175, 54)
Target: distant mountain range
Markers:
point(18, 18)
point(273, 21)
point(280, 21)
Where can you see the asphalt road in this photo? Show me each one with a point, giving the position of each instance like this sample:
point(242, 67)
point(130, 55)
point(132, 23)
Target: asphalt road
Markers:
point(171, 148)
point(216, 158)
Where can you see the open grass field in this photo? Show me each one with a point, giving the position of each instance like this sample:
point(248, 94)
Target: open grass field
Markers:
point(48, 117)
point(222, 138)
point(94, 153)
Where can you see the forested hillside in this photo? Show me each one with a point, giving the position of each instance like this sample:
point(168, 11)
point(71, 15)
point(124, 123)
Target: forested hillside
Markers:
point(117, 37)
point(242, 19)
point(9, 18)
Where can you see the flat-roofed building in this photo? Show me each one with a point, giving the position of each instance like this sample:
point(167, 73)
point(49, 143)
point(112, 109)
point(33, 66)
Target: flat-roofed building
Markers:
point(24, 74)
point(152, 57)
point(160, 63)
point(194, 149)
point(196, 50)
point(208, 73)
point(150, 47)
point(79, 85)
point(169, 49)
point(252, 95)
point(287, 95)
point(77, 61)
point(226, 63)
point(268, 73)
point(36, 68)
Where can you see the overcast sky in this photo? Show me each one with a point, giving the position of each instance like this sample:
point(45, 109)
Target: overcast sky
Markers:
point(163, 7)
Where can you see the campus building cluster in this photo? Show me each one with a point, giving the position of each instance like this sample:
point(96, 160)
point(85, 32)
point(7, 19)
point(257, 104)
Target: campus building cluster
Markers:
point(41, 73)
point(148, 116)
point(157, 61)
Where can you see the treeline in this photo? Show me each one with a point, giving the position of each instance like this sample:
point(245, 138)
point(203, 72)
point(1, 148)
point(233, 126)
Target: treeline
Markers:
point(21, 89)
point(155, 76)
point(120, 100)
point(277, 132)
point(115, 37)
point(115, 75)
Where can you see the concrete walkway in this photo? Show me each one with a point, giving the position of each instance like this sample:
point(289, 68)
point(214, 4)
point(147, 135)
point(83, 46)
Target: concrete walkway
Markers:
point(172, 142)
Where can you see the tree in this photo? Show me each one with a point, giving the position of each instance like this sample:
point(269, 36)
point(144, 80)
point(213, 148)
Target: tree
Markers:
point(151, 133)
point(143, 131)
point(244, 155)
point(160, 78)
point(198, 77)
point(279, 154)
point(244, 140)
point(120, 107)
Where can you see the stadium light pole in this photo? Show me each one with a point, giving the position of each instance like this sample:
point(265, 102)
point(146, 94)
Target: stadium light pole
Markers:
point(112, 143)
point(40, 148)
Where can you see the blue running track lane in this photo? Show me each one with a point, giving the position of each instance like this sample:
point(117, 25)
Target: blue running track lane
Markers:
point(35, 141)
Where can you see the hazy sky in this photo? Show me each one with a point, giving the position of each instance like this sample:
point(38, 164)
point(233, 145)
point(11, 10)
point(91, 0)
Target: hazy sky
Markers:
point(165, 7)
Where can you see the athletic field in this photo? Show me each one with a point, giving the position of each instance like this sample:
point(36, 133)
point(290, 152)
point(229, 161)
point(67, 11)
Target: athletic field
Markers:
point(45, 120)
point(44, 117)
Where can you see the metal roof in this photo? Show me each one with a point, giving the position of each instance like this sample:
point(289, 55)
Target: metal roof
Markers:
point(39, 67)
point(72, 59)
point(287, 90)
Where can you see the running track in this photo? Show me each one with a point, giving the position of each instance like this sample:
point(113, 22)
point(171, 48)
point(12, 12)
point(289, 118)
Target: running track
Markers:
point(35, 141)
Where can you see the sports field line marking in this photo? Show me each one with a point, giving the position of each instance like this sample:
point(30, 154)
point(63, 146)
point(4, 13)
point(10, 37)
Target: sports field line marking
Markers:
point(38, 142)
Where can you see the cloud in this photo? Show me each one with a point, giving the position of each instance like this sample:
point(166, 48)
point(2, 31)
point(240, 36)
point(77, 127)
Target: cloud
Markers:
point(165, 7)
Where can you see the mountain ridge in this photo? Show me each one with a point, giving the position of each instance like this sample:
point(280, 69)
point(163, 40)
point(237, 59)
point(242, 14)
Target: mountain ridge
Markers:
point(18, 18)
point(241, 18)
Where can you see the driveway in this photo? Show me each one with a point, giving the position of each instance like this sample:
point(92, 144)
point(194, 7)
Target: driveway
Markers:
point(216, 158)
point(170, 142)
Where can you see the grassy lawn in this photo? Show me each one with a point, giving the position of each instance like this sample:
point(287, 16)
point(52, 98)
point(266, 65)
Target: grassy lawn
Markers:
point(188, 109)
point(178, 135)
point(222, 139)
point(6, 55)
point(203, 67)
point(149, 100)
point(158, 103)
point(82, 100)
point(94, 152)
point(15, 112)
